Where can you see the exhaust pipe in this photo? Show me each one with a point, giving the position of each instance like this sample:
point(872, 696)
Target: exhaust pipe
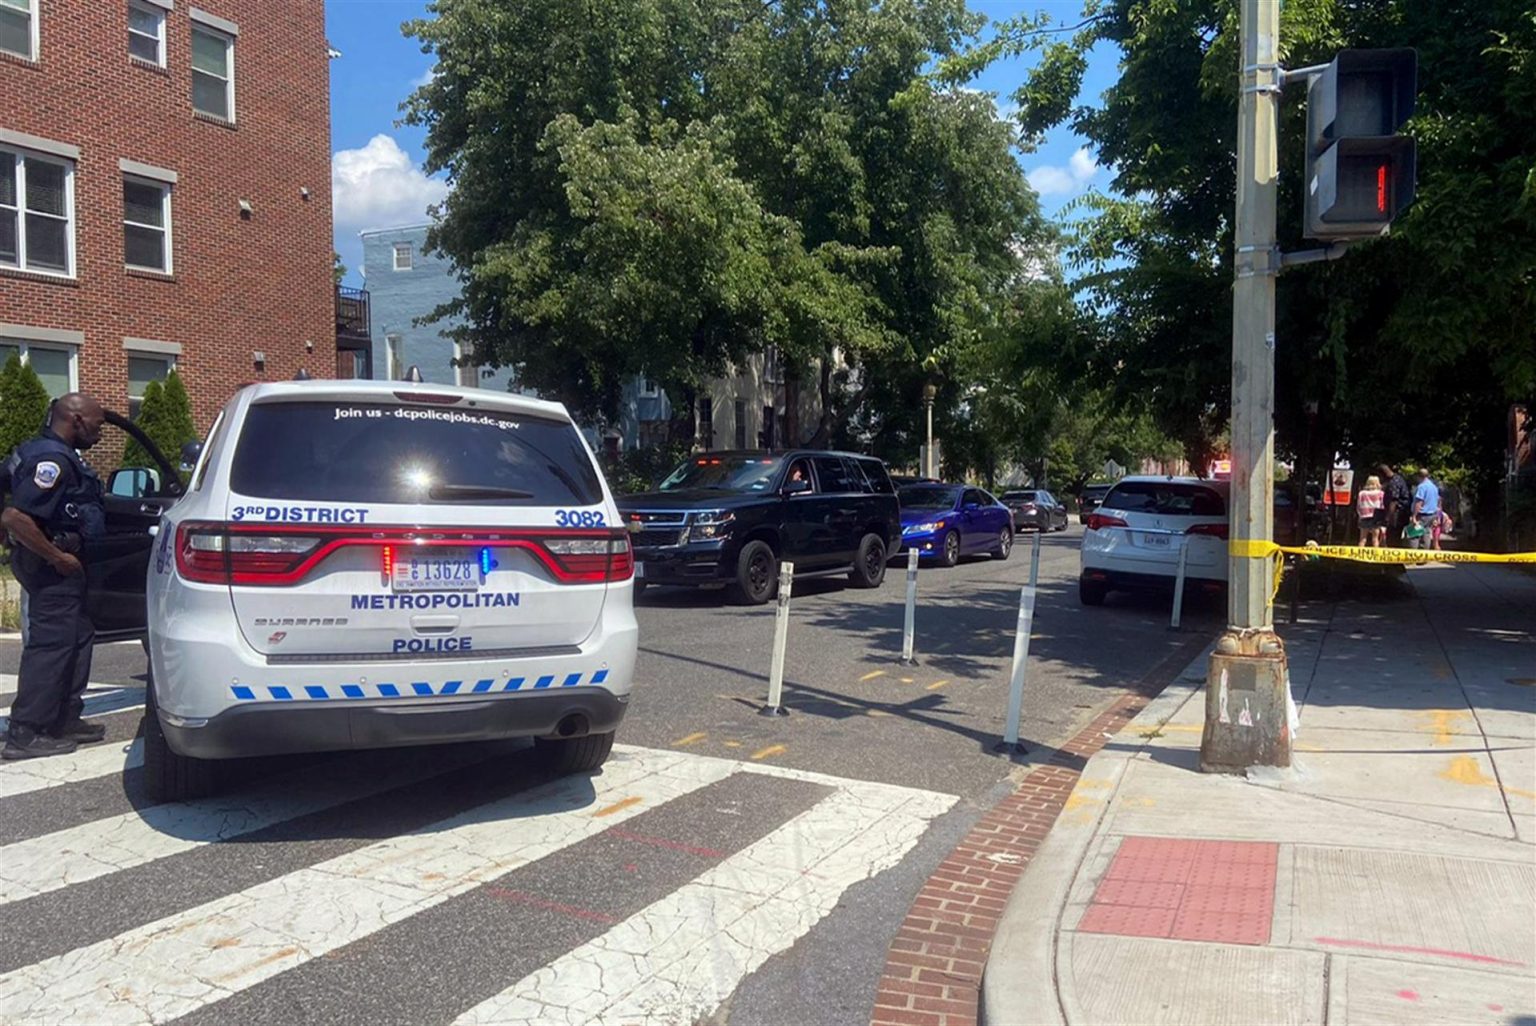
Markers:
point(574, 725)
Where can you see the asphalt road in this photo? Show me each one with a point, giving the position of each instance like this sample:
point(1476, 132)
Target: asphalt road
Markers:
point(724, 867)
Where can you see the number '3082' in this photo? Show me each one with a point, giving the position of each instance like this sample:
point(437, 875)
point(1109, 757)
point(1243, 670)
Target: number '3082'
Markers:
point(579, 518)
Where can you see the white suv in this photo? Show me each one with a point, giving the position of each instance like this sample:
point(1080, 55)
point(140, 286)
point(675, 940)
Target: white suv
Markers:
point(1133, 538)
point(374, 564)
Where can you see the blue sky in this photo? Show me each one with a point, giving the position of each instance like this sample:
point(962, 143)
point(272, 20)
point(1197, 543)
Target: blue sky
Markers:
point(375, 172)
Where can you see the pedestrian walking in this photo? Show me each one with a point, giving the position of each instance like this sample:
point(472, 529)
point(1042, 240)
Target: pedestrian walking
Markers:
point(1399, 499)
point(55, 507)
point(1370, 509)
point(1426, 510)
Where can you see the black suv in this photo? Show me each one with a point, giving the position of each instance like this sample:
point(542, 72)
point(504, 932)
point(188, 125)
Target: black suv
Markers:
point(729, 517)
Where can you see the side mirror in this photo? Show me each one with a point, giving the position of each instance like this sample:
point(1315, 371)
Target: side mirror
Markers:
point(189, 456)
point(796, 487)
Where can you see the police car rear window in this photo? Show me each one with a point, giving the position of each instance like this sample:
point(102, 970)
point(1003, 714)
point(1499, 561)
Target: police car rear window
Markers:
point(367, 452)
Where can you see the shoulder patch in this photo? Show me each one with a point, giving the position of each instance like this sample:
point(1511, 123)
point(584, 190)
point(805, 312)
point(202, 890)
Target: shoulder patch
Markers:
point(46, 475)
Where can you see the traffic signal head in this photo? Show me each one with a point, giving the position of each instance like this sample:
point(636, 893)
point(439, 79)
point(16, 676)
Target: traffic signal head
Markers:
point(1360, 172)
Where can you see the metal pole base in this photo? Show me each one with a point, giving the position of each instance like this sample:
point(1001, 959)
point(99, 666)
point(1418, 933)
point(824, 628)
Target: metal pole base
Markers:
point(1017, 748)
point(773, 710)
point(1247, 709)
point(908, 662)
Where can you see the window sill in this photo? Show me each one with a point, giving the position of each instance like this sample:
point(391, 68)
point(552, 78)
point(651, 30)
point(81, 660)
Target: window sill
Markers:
point(15, 58)
point(140, 62)
point(40, 276)
point(150, 273)
point(213, 119)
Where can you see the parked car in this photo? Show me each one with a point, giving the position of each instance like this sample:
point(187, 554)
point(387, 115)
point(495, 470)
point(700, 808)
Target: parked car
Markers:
point(1133, 539)
point(1089, 499)
point(1036, 508)
point(944, 522)
point(730, 517)
point(371, 564)
point(905, 479)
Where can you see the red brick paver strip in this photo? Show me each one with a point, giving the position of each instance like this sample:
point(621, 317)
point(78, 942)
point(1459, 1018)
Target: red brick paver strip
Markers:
point(944, 940)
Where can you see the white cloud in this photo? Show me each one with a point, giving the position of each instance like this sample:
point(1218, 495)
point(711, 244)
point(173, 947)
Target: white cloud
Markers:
point(378, 186)
point(1056, 180)
point(425, 78)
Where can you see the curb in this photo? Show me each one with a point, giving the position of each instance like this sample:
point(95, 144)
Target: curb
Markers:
point(934, 968)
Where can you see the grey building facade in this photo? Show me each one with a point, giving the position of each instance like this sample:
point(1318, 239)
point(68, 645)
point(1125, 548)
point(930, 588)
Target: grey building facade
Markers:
point(405, 284)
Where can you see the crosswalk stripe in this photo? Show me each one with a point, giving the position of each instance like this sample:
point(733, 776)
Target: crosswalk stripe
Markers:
point(23, 777)
point(678, 960)
point(50, 861)
point(182, 962)
point(100, 699)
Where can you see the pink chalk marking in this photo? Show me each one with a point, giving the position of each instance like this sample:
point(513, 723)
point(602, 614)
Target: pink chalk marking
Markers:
point(1468, 956)
point(524, 898)
point(1495, 1008)
point(662, 842)
point(1408, 995)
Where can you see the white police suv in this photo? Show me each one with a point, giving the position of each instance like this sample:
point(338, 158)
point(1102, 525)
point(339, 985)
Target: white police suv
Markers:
point(376, 564)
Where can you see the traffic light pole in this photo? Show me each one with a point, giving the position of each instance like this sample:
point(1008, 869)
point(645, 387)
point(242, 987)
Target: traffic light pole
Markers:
point(1247, 688)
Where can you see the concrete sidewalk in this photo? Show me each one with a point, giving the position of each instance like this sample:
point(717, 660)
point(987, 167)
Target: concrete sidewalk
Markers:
point(1389, 877)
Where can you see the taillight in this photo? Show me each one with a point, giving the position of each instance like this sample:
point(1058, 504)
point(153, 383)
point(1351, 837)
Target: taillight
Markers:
point(591, 559)
point(1213, 530)
point(1098, 520)
point(214, 554)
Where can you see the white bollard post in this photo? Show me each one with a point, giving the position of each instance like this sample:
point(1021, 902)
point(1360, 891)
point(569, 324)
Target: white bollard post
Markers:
point(775, 706)
point(1021, 652)
point(1178, 585)
point(909, 626)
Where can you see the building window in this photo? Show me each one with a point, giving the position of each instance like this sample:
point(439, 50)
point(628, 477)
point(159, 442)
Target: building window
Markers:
point(402, 256)
point(142, 369)
point(395, 357)
point(57, 367)
point(741, 423)
point(213, 73)
point(18, 28)
point(146, 33)
point(147, 225)
point(707, 422)
point(36, 212)
point(648, 389)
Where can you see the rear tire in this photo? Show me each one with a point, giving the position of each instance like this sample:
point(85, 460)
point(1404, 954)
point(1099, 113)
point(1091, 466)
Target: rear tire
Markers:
point(757, 575)
point(169, 777)
point(949, 550)
point(564, 756)
point(869, 564)
point(1091, 593)
point(1004, 544)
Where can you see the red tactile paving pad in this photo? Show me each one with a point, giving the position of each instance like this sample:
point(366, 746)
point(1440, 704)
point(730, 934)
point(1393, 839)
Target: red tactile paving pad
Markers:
point(1187, 890)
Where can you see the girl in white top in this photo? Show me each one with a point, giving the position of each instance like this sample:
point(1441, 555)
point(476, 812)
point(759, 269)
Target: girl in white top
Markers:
point(1369, 506)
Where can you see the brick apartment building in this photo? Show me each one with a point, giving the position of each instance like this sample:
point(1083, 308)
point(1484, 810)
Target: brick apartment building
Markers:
point(165, 196)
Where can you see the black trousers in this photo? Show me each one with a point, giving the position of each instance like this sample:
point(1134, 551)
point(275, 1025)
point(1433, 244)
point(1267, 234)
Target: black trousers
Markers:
point(56, 662)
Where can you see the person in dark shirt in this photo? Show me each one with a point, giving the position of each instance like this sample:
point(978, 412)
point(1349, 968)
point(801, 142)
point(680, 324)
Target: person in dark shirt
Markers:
point(55, 507)
point(1399, 498)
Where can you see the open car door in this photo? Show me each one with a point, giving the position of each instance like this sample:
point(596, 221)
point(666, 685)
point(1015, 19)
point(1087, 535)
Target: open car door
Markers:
point(118, 565)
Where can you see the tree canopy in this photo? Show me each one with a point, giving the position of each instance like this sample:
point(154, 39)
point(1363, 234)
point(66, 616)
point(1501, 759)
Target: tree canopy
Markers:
point(665, 187)
point(1415, 341)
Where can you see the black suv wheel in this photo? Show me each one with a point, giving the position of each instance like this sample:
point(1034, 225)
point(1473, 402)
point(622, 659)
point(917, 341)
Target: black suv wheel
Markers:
point(757, 574)
point(1091, 593)
point(869, 565)
point(574, 754)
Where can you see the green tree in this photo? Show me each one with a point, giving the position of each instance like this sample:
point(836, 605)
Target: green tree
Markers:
point(1417, 339)
point(165, 416)
point(646, 186)
point(23, 404)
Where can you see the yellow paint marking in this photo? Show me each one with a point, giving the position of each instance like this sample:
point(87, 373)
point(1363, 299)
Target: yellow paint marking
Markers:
point(1521, 793)
point(1302, 746)
point(1442, 722)
point(1140, 802)
point(618, 806)
point(875, 712)
point(1092, 785)
point(1077, 801)
point(871, 676)
point(1464, 770)
point(691, 739)
point(764, 753)
point(731, 744)
point(937, 684)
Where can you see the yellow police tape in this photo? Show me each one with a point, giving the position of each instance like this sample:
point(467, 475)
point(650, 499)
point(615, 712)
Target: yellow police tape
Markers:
point(1262, 549)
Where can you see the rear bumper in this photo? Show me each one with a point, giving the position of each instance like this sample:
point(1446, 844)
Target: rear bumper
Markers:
point(1038, 519)
point(684, 564)
point(280, 728)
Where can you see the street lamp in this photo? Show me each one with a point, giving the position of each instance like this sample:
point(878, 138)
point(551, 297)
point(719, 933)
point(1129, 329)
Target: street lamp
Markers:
point(929, 463)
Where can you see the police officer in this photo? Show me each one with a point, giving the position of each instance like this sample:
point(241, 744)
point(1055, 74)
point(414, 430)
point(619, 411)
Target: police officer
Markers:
point(55, 507)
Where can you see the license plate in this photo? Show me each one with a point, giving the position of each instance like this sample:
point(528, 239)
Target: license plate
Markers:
point(440, 570)
point(639, 571)
point(1157, 540)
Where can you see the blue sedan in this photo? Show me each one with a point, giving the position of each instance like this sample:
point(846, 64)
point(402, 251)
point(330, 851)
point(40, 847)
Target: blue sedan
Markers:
point(944, 522)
